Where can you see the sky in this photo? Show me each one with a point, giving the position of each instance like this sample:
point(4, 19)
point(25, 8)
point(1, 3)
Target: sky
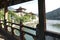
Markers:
point(52, 5)
point(32, 6)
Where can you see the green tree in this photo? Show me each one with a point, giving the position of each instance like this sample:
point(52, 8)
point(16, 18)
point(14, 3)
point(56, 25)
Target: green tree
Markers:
point(10, 15)
point(1, 14)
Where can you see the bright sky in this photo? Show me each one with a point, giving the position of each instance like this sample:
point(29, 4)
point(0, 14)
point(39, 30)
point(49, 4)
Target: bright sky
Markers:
point(32, 6)
point(52, 5)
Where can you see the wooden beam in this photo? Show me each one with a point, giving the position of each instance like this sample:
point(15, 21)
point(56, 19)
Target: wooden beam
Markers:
point(42, 24)
point(6, 10)
point(12, 2)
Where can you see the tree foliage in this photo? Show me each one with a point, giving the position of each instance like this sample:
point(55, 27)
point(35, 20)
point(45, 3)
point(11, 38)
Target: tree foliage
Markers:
point(12, 16)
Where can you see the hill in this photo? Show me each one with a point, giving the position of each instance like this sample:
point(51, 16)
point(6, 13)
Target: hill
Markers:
point(53, 15)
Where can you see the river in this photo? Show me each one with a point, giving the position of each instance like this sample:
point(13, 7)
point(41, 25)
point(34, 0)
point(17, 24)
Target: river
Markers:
point(53, 25)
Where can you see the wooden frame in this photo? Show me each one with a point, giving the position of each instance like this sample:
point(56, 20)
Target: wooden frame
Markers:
point(42, 25)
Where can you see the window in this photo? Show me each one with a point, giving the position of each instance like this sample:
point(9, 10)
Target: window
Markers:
point(53, 16)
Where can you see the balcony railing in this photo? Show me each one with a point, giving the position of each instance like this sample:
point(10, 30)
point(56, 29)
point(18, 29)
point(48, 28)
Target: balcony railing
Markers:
point(4, 25)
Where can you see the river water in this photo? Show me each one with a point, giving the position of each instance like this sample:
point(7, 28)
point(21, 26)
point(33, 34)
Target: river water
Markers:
point(53, 25)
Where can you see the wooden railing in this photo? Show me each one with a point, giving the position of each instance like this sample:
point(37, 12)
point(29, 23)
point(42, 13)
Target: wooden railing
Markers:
point(20, 30)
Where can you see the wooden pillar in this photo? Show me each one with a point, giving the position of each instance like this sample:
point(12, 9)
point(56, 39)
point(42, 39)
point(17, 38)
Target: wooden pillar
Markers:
point(21, 31)
point(6, 10)
point(42, 23)
point(5, 14)
point(5, 26)
point(0, 24)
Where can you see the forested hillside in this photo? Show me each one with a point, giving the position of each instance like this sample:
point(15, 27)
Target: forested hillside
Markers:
point(53, 15)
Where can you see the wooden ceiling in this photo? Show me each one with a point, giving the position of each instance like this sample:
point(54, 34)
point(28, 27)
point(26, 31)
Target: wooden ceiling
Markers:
point(11, 2)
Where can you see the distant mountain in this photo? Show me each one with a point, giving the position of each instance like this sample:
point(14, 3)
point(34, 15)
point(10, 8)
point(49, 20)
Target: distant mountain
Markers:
point(53, 15)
